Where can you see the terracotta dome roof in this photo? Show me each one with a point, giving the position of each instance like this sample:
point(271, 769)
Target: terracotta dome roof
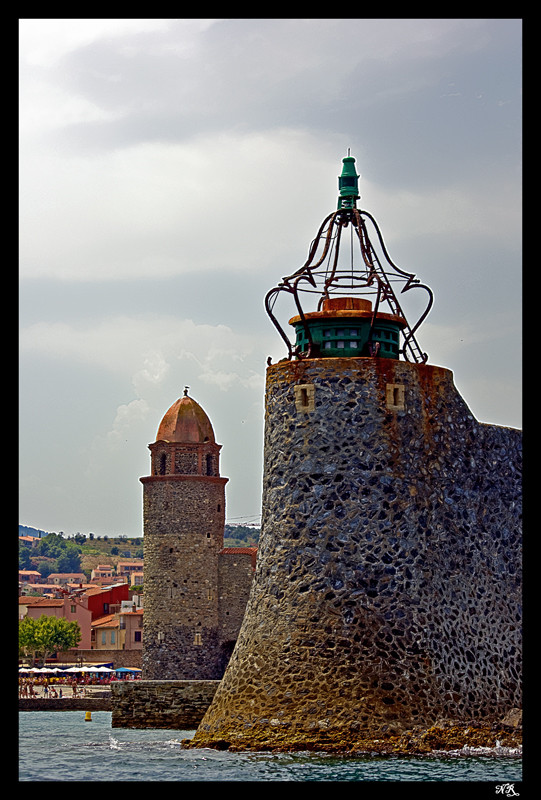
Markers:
point(185, 422)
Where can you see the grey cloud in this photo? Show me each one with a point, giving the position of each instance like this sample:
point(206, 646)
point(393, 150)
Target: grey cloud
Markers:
point(374, 80)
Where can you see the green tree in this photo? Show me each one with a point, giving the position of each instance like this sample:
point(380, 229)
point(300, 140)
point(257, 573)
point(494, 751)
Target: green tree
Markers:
point(69, 560)
point(28, 642)
point(46, 635)
point(56, 633)
point(25, 559)
point(45, 568)
point(50, 546)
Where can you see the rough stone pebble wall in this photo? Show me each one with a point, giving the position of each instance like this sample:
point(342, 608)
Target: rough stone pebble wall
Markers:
point(388, 584)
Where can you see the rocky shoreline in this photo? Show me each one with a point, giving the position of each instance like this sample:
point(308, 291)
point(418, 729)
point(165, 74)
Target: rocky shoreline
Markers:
point(445, 737)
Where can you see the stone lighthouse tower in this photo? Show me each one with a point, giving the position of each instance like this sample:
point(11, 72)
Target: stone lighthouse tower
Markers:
point(387, 591)
point(184, 516)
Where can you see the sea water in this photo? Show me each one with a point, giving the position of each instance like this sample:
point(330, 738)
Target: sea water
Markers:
point(63, 746)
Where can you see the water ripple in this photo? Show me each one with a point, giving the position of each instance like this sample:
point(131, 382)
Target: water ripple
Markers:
point(61, 746)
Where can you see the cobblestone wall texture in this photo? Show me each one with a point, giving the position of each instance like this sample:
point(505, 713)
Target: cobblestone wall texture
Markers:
point(160, 704)
point(387, 591)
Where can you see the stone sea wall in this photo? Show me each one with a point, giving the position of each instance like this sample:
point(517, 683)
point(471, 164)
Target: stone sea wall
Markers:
point(387, 592)
point(178, 705)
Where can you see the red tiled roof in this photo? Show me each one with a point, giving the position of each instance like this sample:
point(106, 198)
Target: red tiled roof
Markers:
point(50, 602)
point(65, 574)
point(92, 590)
point(108, 621)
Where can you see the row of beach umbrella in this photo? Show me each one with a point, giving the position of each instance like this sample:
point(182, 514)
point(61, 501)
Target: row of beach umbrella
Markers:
point(58, 670)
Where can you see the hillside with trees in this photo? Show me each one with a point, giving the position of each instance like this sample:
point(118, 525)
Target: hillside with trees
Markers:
point(57, 552)
point(241, 536)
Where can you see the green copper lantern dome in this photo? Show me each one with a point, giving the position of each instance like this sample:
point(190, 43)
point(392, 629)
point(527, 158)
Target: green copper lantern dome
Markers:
point(347, 326)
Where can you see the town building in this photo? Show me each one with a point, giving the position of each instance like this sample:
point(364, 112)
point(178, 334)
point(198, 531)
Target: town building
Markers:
point(29, 576)
point(109, 618)
point(122, 630)
point(127, 569)
point(102, 573)
point(68, 608)
point(66, 578)
point(105, 600)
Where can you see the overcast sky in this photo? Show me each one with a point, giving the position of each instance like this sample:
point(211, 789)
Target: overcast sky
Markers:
point(172, 171)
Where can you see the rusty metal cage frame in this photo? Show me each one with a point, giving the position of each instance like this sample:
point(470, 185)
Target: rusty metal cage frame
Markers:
point(322, 275)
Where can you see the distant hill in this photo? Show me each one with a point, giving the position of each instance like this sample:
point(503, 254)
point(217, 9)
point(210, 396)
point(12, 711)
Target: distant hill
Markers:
point(54, 552)
point(25, 530)
point(234, 536)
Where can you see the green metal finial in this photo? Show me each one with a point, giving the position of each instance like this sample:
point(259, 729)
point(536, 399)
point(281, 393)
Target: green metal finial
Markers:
point(348, 184)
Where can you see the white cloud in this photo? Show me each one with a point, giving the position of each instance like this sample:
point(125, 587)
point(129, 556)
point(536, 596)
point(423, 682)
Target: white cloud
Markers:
point(44, 41)
point(142, 348)
point(155, 368)
point(127, 416)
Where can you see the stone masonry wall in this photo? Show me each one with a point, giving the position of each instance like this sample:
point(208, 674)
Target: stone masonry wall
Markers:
point(120, 658)
point(235, 579)
point(161, 704)
point(387, 591)
point(183, 524)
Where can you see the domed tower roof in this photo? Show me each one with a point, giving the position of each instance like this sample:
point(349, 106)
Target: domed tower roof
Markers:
point(185, 422)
